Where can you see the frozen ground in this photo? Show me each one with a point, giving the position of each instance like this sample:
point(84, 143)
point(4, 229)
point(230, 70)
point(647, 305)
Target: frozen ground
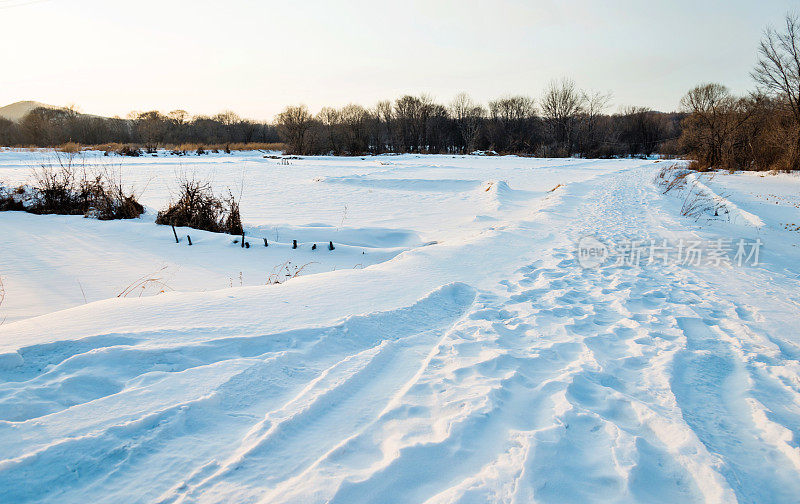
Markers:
point(487, 366)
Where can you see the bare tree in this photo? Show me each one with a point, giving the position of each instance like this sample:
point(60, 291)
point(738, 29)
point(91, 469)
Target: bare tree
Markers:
point(229, 120)
point(511, 117)
point(329, 118)
point(778, 73)
point(406, 113)
point(293, 124)
point(9, 132)
point(427, 109)
point(468, 117)
point(714, 118)
point(640, 130)
point(35, 127)
point(595, 105)
point(152, 128)
point(354, 120)
point(384, 115)
point(178, 117)
point(561, 104)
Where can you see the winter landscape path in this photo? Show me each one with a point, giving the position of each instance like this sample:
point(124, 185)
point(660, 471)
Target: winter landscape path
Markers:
point(491, 368)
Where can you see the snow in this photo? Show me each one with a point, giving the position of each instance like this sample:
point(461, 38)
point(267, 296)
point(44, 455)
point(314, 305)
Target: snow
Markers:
point(450, 349)
point(771, 199)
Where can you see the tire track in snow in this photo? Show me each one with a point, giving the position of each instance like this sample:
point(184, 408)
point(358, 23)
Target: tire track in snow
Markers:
point(138, 438)
point(608, 415)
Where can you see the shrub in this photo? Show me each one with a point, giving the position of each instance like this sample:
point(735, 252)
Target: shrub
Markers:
point(10, 200)
point(198, 207)
point(699, 202)
point(129, 150)
point(109, 199)
point(233, 219)
point(64, 187)
point(57, 187)
point(671, 178)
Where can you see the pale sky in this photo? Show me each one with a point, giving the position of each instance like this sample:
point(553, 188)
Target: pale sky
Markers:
point(255, 57)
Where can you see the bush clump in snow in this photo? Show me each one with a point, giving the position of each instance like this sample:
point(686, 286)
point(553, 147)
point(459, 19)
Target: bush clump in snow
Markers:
point(60, 190)
point(129, 150)
point(62, 187)
point(198, 207)
point(109, 200)
point(12, 199)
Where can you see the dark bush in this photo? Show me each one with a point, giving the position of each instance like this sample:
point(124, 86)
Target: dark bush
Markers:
point(129, 150)
point(198, 207)
point(233, 219)
point(9, 200)
point(63, 187)
point(109, 200)
point(57, 188)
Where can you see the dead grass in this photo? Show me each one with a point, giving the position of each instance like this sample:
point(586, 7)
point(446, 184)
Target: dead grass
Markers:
point(670, 178)
point(273, 146)
point(69, 147)
point(697, 202)
point(72, 147)
point(286, 271)
point(141, 284)
point(106, 147)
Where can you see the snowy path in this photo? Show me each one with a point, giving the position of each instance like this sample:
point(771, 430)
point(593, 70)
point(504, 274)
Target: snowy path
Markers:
point(531, 380)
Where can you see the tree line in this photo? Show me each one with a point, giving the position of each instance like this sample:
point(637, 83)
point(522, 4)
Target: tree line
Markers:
point(566, 121)
point(718, 130)
point(50, 127)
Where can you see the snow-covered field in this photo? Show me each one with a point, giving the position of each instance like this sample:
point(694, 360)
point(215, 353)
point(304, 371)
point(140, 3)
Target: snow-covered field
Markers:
point(450, 349)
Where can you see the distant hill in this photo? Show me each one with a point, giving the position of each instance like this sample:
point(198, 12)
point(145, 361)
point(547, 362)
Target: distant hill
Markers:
point(18, 110)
